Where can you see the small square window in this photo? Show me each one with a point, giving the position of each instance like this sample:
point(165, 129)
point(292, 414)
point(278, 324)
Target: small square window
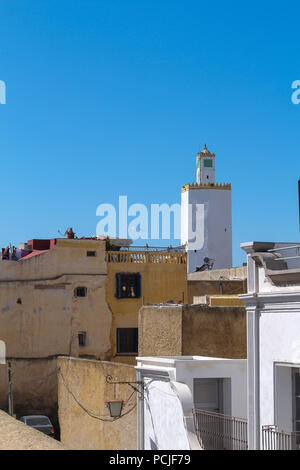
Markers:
point(82, 338)
point(80, 292)
point(91, 253)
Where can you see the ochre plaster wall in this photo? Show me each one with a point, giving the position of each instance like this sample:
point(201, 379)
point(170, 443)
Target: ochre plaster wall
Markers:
point(86, 379)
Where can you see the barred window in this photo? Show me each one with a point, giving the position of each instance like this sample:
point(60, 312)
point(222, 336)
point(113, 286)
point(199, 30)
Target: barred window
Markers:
point(80, 292)
point(127, 340)
point(91, 253)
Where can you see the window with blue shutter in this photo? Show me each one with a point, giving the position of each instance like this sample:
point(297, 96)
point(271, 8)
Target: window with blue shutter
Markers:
point(128, 285)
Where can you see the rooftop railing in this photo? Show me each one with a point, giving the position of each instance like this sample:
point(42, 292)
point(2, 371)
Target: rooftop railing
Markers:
point(288, 252)
point(139, 257)
point(273, 439)
point(149, 249)
point(216, 431)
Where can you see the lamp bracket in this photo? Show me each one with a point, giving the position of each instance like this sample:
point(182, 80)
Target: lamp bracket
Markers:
point(131, 384)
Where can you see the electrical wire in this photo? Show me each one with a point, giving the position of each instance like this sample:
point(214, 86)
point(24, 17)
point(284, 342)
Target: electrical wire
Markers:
point(90, 413)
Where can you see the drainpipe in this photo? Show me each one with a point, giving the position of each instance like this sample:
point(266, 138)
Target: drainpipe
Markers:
point(10, 395)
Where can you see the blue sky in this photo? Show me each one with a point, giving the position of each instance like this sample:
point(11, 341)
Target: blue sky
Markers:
point(109, 98)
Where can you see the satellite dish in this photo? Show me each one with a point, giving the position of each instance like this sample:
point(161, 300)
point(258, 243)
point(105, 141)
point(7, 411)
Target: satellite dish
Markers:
point(207, 266)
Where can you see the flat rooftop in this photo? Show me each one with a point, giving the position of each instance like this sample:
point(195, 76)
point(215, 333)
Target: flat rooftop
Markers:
point(280, 260)
point(238, 273)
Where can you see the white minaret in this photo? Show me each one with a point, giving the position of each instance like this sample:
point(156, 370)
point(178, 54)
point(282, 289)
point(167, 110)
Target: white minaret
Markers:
point(206, 221)
point(205, 164)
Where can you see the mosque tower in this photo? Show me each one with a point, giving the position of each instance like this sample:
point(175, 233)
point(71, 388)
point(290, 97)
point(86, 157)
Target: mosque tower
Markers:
point(206, 220)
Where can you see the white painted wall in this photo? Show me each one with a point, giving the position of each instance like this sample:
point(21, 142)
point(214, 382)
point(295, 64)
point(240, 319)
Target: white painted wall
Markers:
point(265, 284)
point(234, 371)
point(165, 415)
point(214, 232)
point(279, 342)
point(207, 174)
point(273, 334)
point(164, 420)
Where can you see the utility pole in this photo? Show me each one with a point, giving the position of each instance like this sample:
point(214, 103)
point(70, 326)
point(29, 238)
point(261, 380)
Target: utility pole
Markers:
point(10, 396)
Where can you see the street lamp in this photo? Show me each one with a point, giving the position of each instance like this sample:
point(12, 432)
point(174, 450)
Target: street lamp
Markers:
point(115, 408)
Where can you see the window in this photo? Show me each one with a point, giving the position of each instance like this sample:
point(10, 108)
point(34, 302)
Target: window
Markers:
point(208, 163)
point(91, 253)
point(80, 292)
point(128, 285)
point(37, 421)
point(82, 338)
point(127, 340)
point(208, 394)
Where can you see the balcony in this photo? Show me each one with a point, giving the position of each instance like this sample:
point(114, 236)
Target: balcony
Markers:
point(273, 439)
point(216, 431)
point(143, 257)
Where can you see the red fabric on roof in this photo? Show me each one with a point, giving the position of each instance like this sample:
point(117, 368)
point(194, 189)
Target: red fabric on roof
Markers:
point(34, 253)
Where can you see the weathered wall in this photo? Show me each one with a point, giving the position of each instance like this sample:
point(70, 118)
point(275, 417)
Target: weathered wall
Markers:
point(192, 330)
point(160, 330)
point(214, 331)
point(64, 258)
point(227, 274)
point(225, 301)
point(34, 387)
point(14, 435)
point(161, 282)
point(40, 318)
point(215, 287)
point(49, 317)
point(86, 379)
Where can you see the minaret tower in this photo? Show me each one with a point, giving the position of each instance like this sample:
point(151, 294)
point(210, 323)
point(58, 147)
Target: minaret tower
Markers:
point(206, 221)
point(205, 163)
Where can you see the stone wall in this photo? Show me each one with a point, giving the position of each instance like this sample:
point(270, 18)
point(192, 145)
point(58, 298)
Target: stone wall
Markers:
point(214, 331)
point(160, 282)
point(14, 435)
point(34, 388)
point(82, 392)
point(40, 318)
point(175, 330)
point(160, 330)
point(197, 288)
